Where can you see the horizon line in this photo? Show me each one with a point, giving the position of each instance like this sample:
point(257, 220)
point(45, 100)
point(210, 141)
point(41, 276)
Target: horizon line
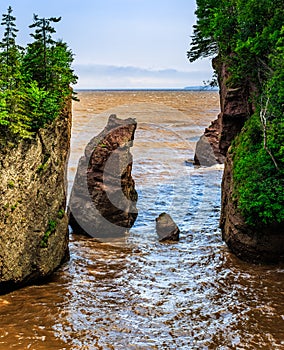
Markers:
point(189, 88)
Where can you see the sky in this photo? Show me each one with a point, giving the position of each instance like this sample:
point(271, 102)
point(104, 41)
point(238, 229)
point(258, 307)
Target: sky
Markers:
point(121, 43)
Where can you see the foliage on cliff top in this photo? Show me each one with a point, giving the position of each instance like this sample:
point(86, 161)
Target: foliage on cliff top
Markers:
point(34, 81)
point(259, 185)
point(249, 36)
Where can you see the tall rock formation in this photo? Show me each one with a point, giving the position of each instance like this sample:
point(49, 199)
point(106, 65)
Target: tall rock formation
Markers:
point(255, 244)
point(249, 43)
point(103, 198)
point(33, 223)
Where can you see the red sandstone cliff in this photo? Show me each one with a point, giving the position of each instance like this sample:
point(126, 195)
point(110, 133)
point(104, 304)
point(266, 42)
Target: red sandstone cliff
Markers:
point(265, 244)
point(235, 109)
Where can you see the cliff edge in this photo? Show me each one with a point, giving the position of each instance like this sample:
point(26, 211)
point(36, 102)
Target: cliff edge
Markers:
point(235, 107)
point(33, 222)
point(259, 243)
point(249, 64)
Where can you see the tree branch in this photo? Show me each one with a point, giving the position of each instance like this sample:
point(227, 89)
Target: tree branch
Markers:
point(263, 120)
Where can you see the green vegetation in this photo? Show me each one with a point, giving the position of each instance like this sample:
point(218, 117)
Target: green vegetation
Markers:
point(42, 167)
point(249, 37)
point(11, 184)
point(259, 185)
point(61, 213)
point(34, 81)
point(50, 229)
point(13, 207)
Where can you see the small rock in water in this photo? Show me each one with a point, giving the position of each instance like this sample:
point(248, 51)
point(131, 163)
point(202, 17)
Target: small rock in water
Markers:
point(166, 228)
point(189, 162)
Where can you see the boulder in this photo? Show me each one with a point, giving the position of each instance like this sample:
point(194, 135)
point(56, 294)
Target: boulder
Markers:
point(204, 153)
point(103, 198)
point(166, 228)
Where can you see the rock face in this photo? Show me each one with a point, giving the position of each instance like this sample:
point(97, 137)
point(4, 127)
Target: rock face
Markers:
point(33, 223)
point(103, 198)
point(262, 244)
point(166, 228)
point(265, 244)
point(235, 109)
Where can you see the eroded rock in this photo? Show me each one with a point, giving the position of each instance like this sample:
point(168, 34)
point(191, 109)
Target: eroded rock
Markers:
point(166, 228)
point(204, 152)
point(236, 108)
point(33, 222)
point(103, 198)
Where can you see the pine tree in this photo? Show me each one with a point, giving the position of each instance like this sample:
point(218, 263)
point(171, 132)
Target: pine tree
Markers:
point(35, 82)
point(47, 68)
point(37, 60)
point(13, 120)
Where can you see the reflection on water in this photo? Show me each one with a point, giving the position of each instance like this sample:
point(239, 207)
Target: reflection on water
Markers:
point(137, 293)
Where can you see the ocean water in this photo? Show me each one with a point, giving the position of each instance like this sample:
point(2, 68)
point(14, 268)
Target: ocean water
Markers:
point(137, 293)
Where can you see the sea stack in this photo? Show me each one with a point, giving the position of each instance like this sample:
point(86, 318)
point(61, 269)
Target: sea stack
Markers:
point(33, 222)
point(103, 198)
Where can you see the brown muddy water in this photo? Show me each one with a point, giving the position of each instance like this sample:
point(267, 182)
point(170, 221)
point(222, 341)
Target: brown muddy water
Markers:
point(136, 293)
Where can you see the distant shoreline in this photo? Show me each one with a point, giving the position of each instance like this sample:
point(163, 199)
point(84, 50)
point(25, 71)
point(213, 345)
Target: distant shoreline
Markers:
point(187, 89)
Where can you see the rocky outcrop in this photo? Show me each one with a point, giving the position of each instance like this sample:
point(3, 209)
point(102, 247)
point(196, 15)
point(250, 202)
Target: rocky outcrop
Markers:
point(254, 244)
point(33, 223)
point(103, 198)
point(235, 109)
point(261, 244)
point(166, 228)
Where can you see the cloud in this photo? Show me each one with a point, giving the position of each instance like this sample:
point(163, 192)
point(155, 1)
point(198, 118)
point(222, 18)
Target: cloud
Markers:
point(98, 76)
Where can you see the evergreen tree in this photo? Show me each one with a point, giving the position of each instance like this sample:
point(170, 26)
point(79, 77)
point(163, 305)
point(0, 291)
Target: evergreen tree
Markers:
point(13, 120)
point(9, 50)
point(249, 36)
point(37, 60)
point(35, 82)
point(47, 71)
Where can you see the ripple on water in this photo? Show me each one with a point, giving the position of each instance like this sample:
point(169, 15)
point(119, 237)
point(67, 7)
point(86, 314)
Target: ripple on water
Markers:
point(137, 293)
